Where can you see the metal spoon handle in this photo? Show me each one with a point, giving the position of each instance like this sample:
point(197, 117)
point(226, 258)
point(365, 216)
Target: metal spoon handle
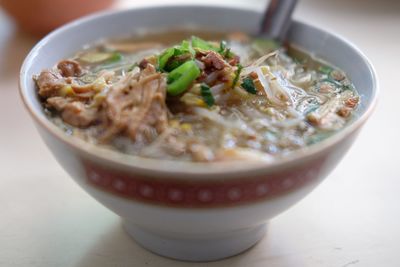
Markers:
point(277, 19)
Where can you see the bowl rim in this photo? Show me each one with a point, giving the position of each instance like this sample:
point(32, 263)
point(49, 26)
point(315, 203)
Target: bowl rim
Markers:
point(180, 169)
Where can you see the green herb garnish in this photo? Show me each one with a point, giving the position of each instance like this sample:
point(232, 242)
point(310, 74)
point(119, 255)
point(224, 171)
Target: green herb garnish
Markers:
point(222, 46)
point(249, 86)
point(115, 57)
point(207, 95)
point(225, 51)
point(237, 75)
point(175, 56)
point(203, 45)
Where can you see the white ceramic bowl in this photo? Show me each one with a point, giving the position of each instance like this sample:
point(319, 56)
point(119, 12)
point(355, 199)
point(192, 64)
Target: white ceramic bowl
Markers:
point(194, 211)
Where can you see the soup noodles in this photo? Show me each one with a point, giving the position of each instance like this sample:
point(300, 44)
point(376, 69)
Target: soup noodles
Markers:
point(221, 97)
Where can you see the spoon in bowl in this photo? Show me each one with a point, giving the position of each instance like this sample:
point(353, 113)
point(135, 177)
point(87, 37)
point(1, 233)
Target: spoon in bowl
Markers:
point(277, 19)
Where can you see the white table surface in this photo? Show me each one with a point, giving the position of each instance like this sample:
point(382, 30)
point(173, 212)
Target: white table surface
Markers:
point(352, 219)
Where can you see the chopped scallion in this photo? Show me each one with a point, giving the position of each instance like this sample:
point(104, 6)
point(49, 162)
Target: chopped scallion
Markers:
point(164, 57)
point(203, 45)
point(187, 47)
point(237, 75)
point(182, 77)
point(249, 86)
point(207, 95)
point(115, 57)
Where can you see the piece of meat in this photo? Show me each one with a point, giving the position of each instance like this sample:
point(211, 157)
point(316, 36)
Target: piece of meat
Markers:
point(72, 112)
point(213, 60)
point(344, 112)
point(143, 64)
point(78, 114)
point(75, 103)
point(326, 88)
point(70, 68)
point(136, 106)
point(338, 75)
point(49, 83)
point(352, 102)
point(234, 61)
point(57, 102)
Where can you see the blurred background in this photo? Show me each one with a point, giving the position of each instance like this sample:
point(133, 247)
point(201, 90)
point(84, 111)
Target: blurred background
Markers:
point(352, 219)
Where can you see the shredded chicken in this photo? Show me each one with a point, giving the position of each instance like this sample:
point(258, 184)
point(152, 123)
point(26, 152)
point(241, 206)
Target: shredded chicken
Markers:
point(136, 106)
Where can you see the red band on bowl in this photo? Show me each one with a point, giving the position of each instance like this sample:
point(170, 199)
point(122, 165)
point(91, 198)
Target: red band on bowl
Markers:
point(201, 194)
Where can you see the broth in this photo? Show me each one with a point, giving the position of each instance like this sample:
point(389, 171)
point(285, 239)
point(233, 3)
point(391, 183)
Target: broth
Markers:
point(178, 96)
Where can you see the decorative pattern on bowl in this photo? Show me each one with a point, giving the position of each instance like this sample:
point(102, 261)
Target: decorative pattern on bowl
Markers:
point(200, 194)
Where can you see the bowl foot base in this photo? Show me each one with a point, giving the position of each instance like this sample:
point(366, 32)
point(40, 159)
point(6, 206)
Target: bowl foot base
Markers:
point(200, 248)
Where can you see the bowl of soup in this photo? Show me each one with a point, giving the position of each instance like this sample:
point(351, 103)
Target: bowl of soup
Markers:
point(192, 127)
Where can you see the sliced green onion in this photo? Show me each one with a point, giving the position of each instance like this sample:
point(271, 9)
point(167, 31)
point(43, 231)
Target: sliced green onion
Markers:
point(164, 57)
point(237, 75)
point(207, 95)
point(203, 45)
point(182, 77)
point(115, 57)
point(166, 60)
point(249, 86)
point(176, 61)
point(187, 47)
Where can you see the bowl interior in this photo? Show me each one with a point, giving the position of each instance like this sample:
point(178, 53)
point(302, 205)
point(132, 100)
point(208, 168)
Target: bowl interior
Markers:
point(72, 37)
